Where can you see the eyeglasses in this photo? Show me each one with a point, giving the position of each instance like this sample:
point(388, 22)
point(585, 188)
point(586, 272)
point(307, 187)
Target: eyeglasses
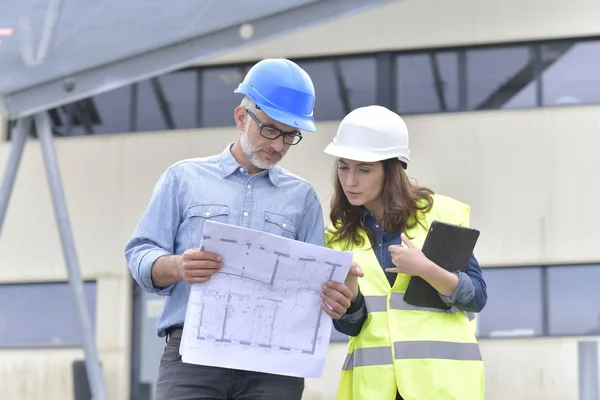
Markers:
point(272, 133)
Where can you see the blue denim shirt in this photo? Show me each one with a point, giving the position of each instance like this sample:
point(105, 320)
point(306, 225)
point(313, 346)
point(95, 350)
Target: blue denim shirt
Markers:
point(470, 294)
point(216, 188)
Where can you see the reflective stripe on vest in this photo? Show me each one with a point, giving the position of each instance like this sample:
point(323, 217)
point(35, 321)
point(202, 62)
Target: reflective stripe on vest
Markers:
point(369, 356)
point(379, 303)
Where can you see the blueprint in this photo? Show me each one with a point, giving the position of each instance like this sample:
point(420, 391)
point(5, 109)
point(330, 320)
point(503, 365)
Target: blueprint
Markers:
point(262, 311)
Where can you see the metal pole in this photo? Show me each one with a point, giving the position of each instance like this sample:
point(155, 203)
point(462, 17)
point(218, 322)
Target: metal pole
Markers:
point(92, 362)
point(588, 369)
point(19, 137)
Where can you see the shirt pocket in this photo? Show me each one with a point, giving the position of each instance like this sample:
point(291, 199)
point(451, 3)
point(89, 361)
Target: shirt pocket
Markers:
point(200, 213)
point(280, 225)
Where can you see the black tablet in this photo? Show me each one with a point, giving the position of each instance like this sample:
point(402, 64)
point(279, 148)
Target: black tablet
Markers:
point(449, 246)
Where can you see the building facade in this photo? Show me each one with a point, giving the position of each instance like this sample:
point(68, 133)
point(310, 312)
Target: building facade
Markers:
point(502, 103)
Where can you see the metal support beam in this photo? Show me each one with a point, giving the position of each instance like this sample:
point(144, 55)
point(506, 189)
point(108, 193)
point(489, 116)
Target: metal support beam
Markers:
point(463, 96)
point(136, 342)
point(92, 362)
point(385, 90)
point(588, 370)
point(438, 81)
point(538, 70)
point(19, 137)
point(343, 91)
point(198, 97)
point(531, 71)
point(58, 91)
point(133, 107)
point(163, 103)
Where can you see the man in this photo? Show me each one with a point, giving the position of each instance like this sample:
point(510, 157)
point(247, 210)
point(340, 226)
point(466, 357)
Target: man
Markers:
point(241, 186)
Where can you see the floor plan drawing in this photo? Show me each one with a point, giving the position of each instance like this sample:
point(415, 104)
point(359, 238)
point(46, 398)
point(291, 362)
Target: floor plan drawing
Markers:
point(265, 301)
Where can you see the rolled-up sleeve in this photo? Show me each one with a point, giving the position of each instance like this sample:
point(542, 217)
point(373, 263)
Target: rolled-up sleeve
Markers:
point(155, 234)
point(352, 321)
point(471, 292)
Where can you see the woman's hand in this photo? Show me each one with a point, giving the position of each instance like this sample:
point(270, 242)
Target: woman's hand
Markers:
point(409, 259)
point(352, 279)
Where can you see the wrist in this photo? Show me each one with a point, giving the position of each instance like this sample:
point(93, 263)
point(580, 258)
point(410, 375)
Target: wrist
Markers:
point(429, 269)
point(355, 304)
point(178, 272)
point(355, 295)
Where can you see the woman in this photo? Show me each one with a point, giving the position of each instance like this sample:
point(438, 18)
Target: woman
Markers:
point(397, 350)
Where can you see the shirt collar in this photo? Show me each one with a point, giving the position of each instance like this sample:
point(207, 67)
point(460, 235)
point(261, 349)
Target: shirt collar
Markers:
point(366, 216)
point(229, 165)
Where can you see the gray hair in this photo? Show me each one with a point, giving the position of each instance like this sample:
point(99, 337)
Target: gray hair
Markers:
point(248, 104)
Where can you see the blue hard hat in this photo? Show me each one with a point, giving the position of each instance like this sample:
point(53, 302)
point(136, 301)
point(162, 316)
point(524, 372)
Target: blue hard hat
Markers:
point(283, 90)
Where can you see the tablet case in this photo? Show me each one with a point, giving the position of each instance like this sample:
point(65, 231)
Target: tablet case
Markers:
point(449, 246)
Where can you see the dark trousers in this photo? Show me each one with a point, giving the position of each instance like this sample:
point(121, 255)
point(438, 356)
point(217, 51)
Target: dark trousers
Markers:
point(180, 381)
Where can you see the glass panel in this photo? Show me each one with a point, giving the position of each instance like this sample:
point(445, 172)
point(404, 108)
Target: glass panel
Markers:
point(574, 300)
point(114, 109)
point(179, 89)
point(341, 85)
point(218, 98)
point(514, 306)
point(500, 78)
point(42, 314)
point(427, 82)
point(105, 113)
point(571, 73)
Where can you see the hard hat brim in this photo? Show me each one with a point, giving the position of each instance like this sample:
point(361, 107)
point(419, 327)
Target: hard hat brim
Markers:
point(302, 123)
point(362, 155)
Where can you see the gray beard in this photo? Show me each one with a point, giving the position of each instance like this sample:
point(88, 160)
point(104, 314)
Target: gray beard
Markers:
point(252, 153)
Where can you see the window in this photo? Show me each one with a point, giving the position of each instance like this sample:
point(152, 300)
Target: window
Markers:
point(514, 306)
point(42, 315)
point(218, 97)
point(114, 109)
point(167, 102)
point(571, 73)
point(574, 300)
point(341, 85)
point(500, 78)
point(427, 82)
point(108, 112)
point(503, 76)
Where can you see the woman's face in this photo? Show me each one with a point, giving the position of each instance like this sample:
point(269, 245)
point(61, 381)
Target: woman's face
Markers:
point(362, 182)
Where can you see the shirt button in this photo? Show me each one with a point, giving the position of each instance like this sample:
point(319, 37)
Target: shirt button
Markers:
point(207, 213)
point(284, 225)
point(245, 214)
point(376, 226)
point(379, 244)
point(248, 187)
point(241, 169)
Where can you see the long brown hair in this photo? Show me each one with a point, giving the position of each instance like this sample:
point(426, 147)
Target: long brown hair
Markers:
point(402, 200)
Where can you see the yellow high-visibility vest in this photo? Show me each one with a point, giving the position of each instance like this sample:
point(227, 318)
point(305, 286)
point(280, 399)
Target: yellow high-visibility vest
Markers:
point(425, 354)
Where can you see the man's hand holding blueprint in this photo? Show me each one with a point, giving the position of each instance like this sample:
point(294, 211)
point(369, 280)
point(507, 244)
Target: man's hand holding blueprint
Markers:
point(266, 305)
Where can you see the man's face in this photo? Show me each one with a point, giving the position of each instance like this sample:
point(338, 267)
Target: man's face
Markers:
point(262, 152)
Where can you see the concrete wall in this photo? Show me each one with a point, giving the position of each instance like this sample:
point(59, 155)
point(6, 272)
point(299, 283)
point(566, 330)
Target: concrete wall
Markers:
point(531, 177)
point(413, 24)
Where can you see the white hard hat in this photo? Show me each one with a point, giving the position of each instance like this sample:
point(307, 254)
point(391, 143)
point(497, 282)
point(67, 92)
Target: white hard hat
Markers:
point(370, 134)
